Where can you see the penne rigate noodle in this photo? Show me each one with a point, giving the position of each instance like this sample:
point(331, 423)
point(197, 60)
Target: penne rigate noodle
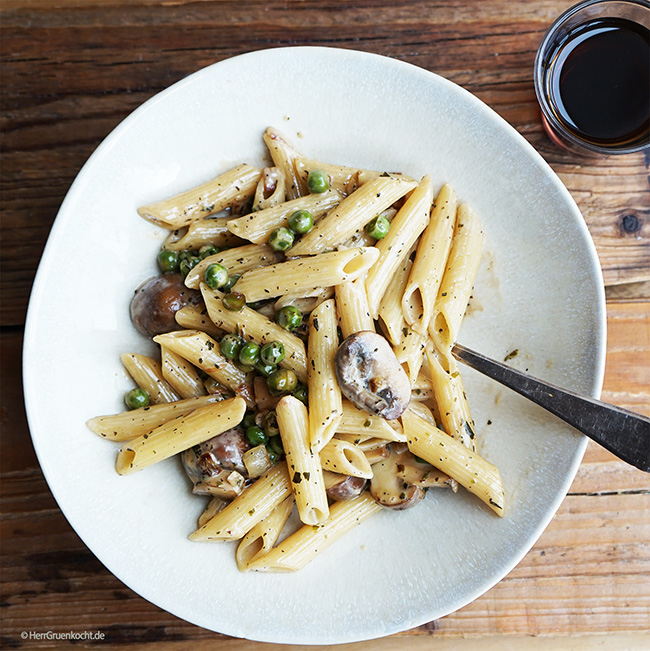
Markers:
point(231, 187)
point(179, 434)
point(148, 375)
point(345, 458)
point(301, 547)
point(390, 314)
point(249, 508)
point(352, 214)
point(359, 422)
point(411, 219)
point(410, 352)
point(303, 464)
point(210, 230)
point(252, 325)
point(200, 349)
point(470, 470)
point(451, 400)
point(257, 226)
point(322, 270)
point(180, 375)
point(236, 261)
point(270, 190)
point(325, 400)
point(352, 307)
point(260, 539)
point(284, 158)
point(215, 505)
point(430, 260)
point(306, 301)
point(195, 317)
point(457, 281)
point(129, 425)
point(344, 179)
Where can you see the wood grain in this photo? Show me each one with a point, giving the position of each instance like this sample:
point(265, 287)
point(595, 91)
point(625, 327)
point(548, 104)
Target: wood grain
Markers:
point(73, 69)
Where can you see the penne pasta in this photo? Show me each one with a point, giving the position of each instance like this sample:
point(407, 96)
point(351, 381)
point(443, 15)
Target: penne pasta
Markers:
point(358, 422)
point(234, 186)
point(180, 375)
point(390, 314)
point(202, 350)
point(252, 325)
point(457, 281)
point(260, 539)
point(129, 425)
point(209, 230)
point(406, 227)
point(270, 190)
point(296, 551)
point(322, 270)
point(305, 470)
point(430, 259)
point(352, 307)
point(257, 226)
point(326, 403)
point(352, 214)
point(249, 508)
point(179, 434)
point(148, 375)
point(284, 158)
point(236, 261)
point(470, 470)
point(345, 458)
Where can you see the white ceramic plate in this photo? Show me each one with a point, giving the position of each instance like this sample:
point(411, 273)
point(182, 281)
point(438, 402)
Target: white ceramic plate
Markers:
point(540, 290)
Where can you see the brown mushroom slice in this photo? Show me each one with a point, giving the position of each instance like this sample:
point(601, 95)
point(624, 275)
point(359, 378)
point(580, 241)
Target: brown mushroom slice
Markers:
point(342, 487)
point(389, 489)
point(216, 467)
point(370, 375)
point(419, 473)
point(156, 301)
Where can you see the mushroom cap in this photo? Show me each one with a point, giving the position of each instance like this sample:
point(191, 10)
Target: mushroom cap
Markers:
point(370, 376)
point(389, 489)
point(156, 301)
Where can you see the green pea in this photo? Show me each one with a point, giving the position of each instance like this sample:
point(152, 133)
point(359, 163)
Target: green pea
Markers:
point(273, 456)
point(300, 392)
point(270, 423)
point(207, 250)
point(137, 398)
point(301, 221)
point(378, 227)
point(318, 181)
point(281, 239)
point(264, 369)
point(249, 353)
point(249, 419)
point(232, 279)
point(256, 436)
point(234, 301)
point(289, 317)
point(215, 275)
point(272, 353)
point(230, 346)
point(168, 261)
point(188, 263)
point(275, 444)
point(284, 380)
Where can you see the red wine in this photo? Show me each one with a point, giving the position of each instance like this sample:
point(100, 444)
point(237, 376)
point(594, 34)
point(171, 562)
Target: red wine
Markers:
point(598, 82)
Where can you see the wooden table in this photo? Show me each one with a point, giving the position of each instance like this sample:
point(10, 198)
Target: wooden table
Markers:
point(73, 69)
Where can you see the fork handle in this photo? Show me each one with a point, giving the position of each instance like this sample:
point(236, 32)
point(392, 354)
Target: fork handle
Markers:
point(622, 432)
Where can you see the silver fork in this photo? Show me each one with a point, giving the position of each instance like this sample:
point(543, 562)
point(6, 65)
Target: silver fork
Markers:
point(622, 432)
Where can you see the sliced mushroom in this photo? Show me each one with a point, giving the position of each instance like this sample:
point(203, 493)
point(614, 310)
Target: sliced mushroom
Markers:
point(391, 490)
point(216, 467)
point(370, 375)
point(342, 487)
point(157, 300)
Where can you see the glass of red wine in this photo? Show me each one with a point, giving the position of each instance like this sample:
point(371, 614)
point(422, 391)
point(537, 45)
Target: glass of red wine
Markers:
point(592, 77)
